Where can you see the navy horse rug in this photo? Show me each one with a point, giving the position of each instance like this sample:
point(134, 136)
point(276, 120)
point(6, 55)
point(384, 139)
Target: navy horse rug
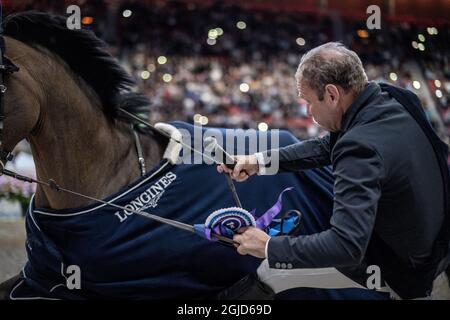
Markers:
point(120, 254)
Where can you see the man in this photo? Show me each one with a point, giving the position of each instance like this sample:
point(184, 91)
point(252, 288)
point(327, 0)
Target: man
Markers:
point(391, 186)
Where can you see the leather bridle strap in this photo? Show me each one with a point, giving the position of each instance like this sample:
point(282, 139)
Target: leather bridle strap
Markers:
point(6, 67)
point(165, 134)
point(4, 155)
point(140, 154)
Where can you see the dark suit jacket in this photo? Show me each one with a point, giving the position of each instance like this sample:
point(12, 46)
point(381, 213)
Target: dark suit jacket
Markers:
point(387, 186)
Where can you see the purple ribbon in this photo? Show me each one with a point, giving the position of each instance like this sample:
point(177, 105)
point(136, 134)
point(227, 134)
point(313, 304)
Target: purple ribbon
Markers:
point(266, 219)
point(261, 223)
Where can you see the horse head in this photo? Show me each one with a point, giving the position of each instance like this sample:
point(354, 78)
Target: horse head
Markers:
point(65, 100)
point(22, 99)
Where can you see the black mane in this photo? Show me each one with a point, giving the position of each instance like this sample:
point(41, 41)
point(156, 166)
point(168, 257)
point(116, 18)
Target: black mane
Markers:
point(85, 54)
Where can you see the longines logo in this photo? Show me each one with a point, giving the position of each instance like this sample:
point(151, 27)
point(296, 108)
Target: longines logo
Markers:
point(149, 198)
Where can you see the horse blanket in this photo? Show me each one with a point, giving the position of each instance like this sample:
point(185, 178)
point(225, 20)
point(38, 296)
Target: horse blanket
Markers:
point(124, 255)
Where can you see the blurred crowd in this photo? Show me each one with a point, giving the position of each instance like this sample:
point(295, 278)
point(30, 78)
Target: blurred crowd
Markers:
point(223, 65)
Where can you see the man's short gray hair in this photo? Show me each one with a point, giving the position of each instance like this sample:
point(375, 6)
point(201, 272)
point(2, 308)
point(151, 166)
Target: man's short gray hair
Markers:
point(332, 63)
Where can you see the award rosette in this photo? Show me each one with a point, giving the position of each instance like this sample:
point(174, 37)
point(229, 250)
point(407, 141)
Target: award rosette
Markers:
point(227, 221)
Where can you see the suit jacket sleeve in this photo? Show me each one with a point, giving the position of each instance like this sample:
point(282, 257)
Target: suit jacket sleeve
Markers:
point(307, 154)
point(358, 173)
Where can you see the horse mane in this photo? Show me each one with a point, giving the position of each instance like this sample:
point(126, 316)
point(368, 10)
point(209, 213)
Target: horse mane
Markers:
point(86, 55)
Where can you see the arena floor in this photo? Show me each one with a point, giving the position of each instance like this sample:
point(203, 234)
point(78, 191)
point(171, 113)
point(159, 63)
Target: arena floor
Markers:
point(13, 256)
point(12, 248)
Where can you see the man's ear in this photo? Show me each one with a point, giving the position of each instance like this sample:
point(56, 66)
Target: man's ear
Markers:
point(332, 93)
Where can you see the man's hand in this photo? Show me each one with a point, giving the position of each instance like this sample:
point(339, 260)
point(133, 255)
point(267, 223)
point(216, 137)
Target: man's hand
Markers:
point(245, 166)
point(252, 241)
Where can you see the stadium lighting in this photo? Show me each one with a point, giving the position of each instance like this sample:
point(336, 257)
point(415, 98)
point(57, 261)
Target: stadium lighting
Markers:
point(438, 93)
point(432, 30)
point(197, 117)
point(300, 41)
point(414, 44)
point(263, 126)
point(437, 83)
point(393, 76)
point(213, 34)
point(211, 42)
point(127, 13)
point(421, 37)
point(162, 59)
point(203, 120)
point(151, 67)
point(421, 47)
point(145, 74)
point(416, 84)
point(244, 87)
point(167, 77)
point(362, 33)
point(241, 25)
point(219, 31)
point(87, 20)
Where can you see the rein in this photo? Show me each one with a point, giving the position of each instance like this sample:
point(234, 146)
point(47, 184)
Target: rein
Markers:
point(54, 186)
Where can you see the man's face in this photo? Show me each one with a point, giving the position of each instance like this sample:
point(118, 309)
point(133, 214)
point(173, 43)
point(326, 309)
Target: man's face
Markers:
point(323, 112)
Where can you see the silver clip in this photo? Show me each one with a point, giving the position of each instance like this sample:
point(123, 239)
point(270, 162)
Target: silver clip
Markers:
point(142, 164)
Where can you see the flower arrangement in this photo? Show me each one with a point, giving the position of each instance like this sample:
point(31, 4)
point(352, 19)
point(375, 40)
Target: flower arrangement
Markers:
point(16, 190)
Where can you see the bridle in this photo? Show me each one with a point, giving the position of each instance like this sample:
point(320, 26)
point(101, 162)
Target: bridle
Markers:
point(6, 68)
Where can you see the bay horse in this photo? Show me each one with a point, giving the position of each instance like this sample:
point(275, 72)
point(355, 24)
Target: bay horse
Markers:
point(65, 101)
